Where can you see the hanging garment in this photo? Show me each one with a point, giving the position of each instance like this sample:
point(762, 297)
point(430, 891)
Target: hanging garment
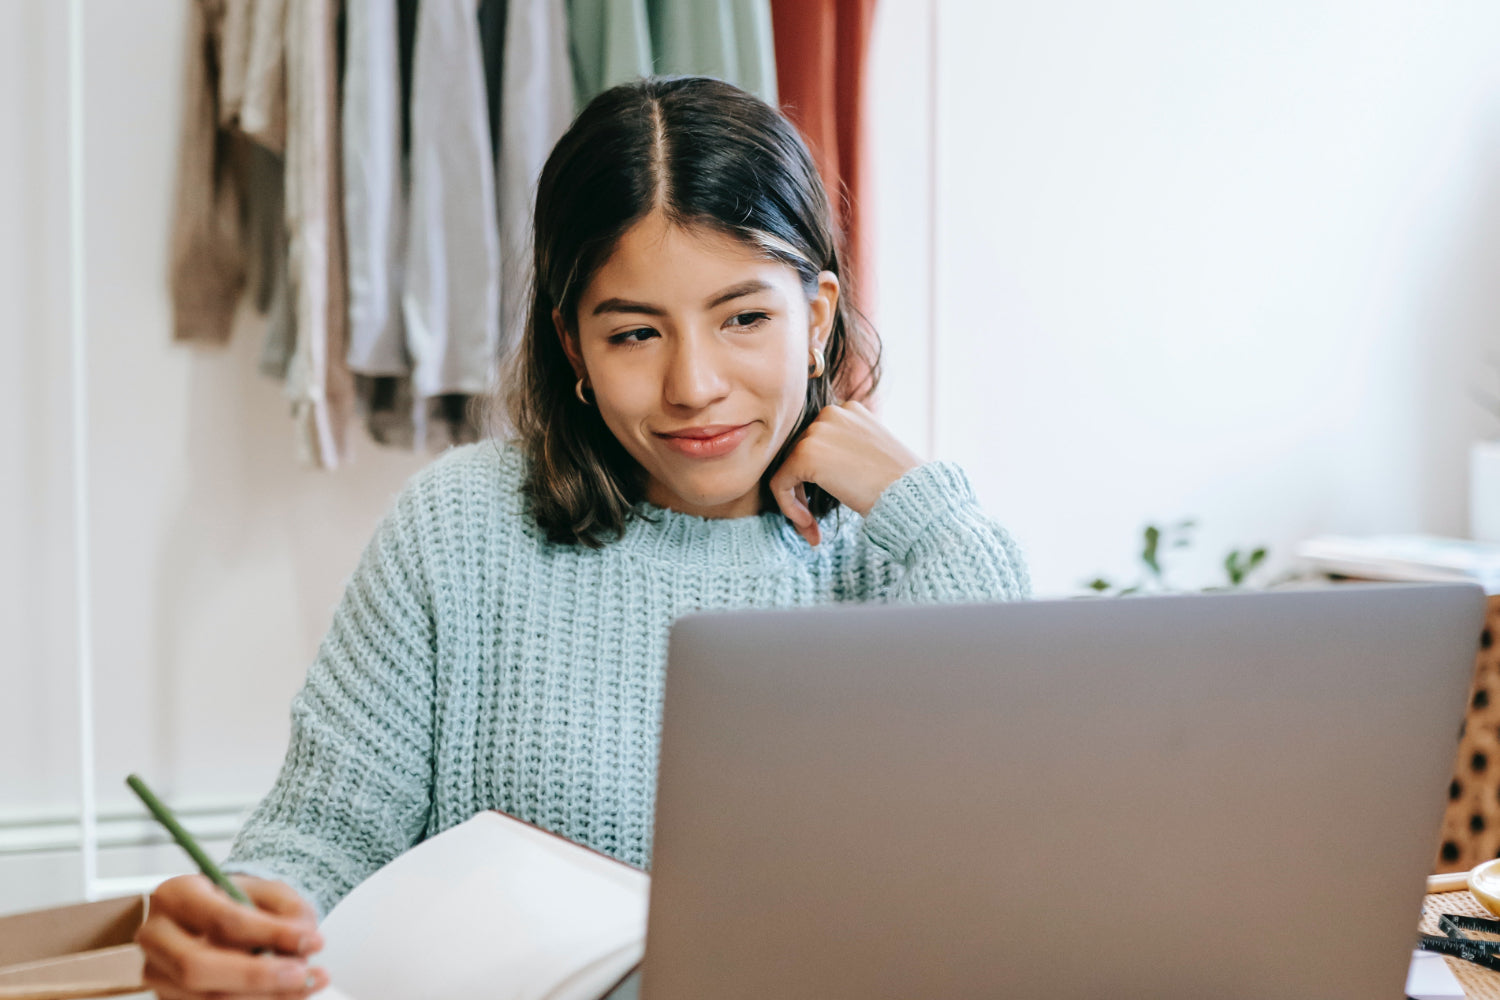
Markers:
point(386, 399)
point(821, 52)
point(265, 225)
point(375, 219)
point(263, 101)
point(610, 42)
point(234, 60)
point(492, 19)
point(730, 40)
point(451, 300)
point(318, 380)
point(537, 99)
point(615, 41)
point(406, 49)
point(262, 119)
point(264, 232)
point(208, 263)
point(754, 38)
point(374, 190)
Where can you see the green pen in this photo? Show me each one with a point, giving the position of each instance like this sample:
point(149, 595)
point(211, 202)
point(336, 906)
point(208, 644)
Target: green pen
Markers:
point(164, 816)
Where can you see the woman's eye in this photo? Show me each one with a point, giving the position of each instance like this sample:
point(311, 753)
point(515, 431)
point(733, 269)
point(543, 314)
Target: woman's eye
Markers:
point(633, 336)
point(747, 320)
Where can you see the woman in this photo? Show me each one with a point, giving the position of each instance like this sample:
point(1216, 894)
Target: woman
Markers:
point(679, 445)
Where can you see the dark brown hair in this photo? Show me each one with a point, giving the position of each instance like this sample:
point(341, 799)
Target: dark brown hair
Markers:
point(706, 154)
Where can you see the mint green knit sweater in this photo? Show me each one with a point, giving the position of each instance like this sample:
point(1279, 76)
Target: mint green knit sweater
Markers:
point(474, 665)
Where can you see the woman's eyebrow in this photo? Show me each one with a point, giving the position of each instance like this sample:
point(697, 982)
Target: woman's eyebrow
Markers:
point(736, 291)
point(626, 306)
point(732, 292)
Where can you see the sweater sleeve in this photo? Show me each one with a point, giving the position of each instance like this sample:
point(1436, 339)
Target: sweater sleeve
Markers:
point(930, 524)
point(355, 789)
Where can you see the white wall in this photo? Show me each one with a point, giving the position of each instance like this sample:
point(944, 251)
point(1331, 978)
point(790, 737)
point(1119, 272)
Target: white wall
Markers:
point(1227, 260)
point(1238, 261)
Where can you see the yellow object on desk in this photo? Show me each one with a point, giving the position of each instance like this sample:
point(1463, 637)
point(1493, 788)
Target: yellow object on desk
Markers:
point(1447, 882)
point(1484, 885)
point(1483, 881)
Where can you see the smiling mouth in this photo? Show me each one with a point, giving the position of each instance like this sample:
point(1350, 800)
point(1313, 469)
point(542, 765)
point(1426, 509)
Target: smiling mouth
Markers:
point(705, 442)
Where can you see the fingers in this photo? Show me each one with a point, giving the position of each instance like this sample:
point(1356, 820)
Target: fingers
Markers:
point(278, 898)
point(167, 989)
point(849, 455)
point(198, 942)
point(812, 531)
point(802, 466)
point(180, 964)
point(788, 488)
point(200, 907)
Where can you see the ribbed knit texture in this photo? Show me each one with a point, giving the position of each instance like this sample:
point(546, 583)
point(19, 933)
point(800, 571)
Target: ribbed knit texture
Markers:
point(474, 665)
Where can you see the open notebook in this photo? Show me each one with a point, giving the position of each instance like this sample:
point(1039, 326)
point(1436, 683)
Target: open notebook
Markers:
point(493, 907)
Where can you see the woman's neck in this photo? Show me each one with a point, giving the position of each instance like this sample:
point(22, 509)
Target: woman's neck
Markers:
point(748, 505)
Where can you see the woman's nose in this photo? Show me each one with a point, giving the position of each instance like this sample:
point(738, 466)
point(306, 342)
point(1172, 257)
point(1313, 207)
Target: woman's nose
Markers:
point(694, 376)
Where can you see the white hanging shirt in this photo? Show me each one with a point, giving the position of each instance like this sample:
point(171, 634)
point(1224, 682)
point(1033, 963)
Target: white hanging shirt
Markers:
point(536, 99)
point(374, 190)
point(452, 282)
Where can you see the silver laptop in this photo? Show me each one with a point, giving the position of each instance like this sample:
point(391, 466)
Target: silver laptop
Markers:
point(1186, 796)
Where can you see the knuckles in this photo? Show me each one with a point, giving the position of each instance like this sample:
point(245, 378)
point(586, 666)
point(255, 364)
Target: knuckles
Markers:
point(174, 892)
point(221, 927)
point(149, 936)
point(157, 981)
point(193, 975)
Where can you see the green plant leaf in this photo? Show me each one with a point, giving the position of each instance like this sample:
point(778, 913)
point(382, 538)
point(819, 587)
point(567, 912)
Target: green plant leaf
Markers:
point(1233, 568)
point(1152, 537)
point(1098, 584)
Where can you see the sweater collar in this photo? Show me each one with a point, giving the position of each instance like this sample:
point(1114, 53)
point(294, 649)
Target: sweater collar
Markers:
point(765, 539)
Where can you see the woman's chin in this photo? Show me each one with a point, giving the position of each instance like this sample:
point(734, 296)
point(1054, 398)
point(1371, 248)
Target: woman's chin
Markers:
point(716, 499)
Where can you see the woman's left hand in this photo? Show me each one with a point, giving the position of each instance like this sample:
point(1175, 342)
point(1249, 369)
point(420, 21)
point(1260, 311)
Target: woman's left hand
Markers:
point(848, 453)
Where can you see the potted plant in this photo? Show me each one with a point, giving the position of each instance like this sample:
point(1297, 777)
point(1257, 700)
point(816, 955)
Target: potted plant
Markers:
point(1238, 565)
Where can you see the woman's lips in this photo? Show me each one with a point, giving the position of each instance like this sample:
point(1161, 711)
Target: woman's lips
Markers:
point(705, 442)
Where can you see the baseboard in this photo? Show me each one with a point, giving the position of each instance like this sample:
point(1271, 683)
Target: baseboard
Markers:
point(59, 831)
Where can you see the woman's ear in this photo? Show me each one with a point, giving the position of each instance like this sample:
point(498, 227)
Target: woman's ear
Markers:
point(569, 343)
point(821, 311)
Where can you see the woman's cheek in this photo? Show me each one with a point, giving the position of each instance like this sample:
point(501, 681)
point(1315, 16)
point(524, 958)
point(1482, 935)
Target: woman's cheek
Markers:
point(623, 386)
point(778, 365)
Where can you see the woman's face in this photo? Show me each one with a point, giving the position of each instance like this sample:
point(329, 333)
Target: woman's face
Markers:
point(696, 348)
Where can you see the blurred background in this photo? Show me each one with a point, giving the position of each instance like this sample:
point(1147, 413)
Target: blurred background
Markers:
point(1236, 262)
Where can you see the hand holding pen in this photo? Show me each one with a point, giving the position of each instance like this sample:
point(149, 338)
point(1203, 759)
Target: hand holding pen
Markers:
point(207, 935)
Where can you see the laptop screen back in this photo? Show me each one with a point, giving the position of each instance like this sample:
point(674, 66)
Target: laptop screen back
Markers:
point(1230, 795)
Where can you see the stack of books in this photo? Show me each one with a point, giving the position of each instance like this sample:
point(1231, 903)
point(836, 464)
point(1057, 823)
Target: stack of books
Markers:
point(1405, 557)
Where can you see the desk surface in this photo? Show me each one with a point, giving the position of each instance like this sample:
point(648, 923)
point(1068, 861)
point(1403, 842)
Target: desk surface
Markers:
point(1478, 982)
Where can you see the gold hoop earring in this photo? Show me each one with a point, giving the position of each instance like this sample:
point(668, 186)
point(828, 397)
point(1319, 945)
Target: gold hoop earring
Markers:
point(815, 370)
point(578, 391)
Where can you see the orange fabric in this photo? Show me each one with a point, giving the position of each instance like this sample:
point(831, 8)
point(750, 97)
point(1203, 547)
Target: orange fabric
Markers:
point(854, 22)
point(806, 56)
point(821, 51)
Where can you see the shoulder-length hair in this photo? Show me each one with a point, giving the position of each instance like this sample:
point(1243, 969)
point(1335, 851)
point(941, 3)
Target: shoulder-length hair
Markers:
point(706, 154)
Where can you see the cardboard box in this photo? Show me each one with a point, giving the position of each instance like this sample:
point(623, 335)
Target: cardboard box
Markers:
point(85, 950)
